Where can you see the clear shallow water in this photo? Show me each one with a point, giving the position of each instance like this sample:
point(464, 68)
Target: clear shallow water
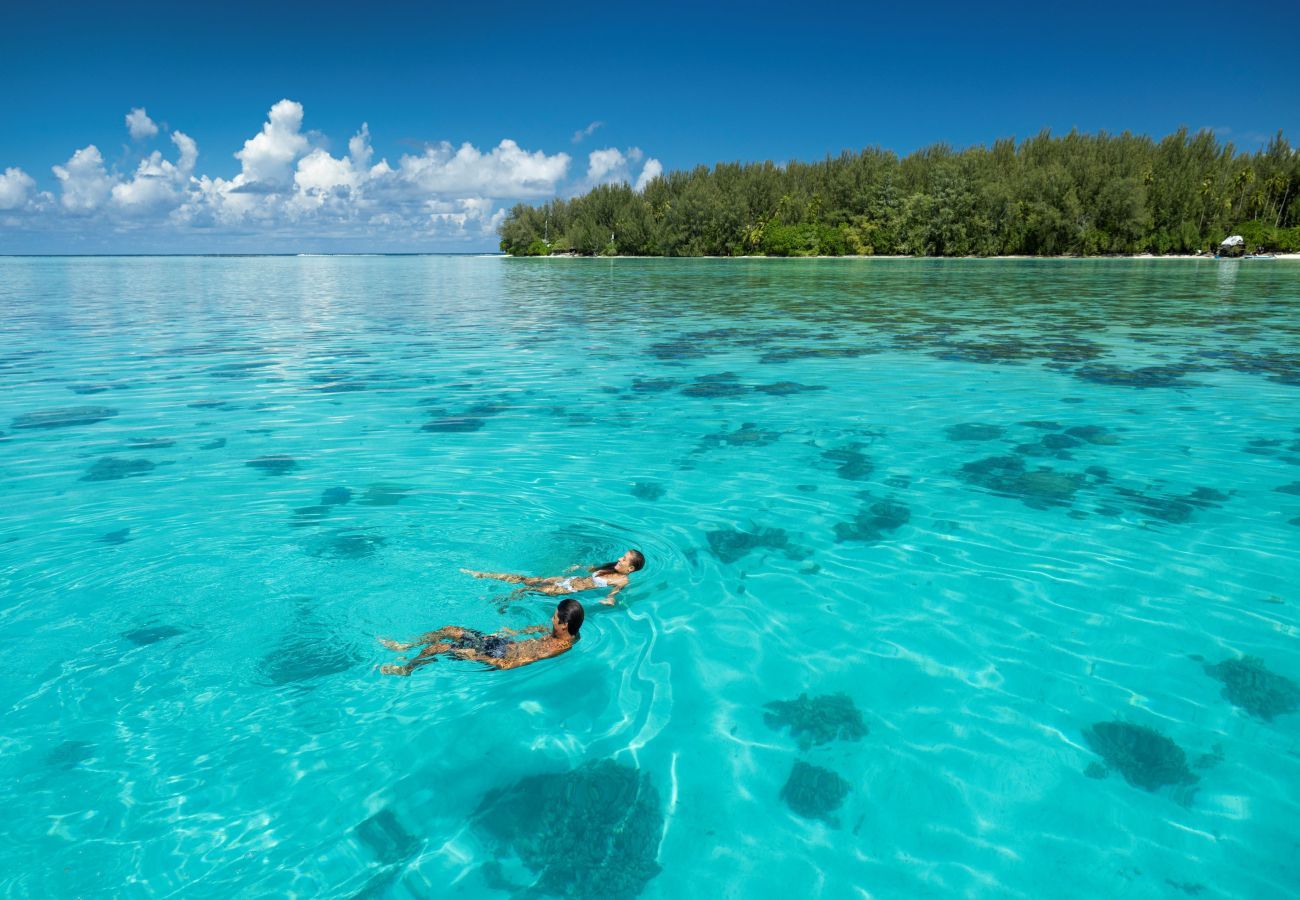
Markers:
point(995, 503)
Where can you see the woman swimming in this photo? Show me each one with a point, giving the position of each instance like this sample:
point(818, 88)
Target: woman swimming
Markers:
point(504, 650)
point(606, 575)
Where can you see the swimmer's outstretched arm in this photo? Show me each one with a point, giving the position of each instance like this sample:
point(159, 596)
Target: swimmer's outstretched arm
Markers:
point(613, 596)
point(531, 629)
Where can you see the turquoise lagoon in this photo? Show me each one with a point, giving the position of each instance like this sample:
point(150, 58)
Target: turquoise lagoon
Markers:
point(1012, 527)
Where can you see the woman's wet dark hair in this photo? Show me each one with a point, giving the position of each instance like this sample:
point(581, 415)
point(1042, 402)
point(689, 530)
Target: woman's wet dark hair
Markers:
point(571, 614)
point(638, 563)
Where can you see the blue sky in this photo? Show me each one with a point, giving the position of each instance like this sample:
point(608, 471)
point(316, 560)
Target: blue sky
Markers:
point(673, 85)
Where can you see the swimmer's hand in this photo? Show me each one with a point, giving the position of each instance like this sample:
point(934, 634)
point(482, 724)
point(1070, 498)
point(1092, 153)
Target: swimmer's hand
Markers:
point(473, 573)
point(573, 568)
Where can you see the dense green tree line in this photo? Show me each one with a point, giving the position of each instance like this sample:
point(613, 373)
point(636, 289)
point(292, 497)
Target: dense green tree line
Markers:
point(1077, 194)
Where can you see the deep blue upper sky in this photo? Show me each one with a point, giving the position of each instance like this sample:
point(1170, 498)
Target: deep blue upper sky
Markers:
point(689, 83)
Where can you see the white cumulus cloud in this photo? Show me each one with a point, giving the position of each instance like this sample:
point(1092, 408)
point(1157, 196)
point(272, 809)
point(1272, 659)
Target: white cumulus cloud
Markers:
point(140, 125)
point(158, 183)
point(614, 166)
point(507, 171)
point(268, 156)
point(15, 188)
point(649, 172)
point(290, 186)
point(85, 183)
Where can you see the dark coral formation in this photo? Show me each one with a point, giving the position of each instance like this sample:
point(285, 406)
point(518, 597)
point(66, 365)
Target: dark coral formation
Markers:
point(647, 490)
point(143, 637)
point(70, 754)
point(1145, 757)
point(110, 468)
point(346, 545)
point(1093, 434)
point(308, 649)
point(116, 538)
point(443, 423)
point(1248, 683)
point(653, 385)
point(874, 522)
point(278, 464)
point(1143, 377)
point(729, 544)
point(715, 387)
point(65, 417)
point(384, 493)
point(786, 388)
point(1177, 510)
point(387, 838)
point(747, 435)
point(589, 833)
point(814, 792)
point(215, 444)
point(850, 462)
point(817, 720)
point(1009, 476)
point(1292, 488)
point(335, 496)
point(973, 431)
point(776, 357)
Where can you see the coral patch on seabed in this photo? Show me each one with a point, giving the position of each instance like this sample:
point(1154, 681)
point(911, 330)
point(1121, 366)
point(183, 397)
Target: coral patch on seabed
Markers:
point(786, 388)
point(1247, 683)
point(110, 468)
point(1007, 475)
point(747, 435)
point(730, 545)
point(335, 496)
point(156, 443)
point(653, 385)
point(345, 545)
point(718, 386)
point(817, 720)
point(1145, 757)
point(590, 833)
point(116, 538)
point(850, 462)
point(647, 490)
point(143, 637)
point(65, 417)
point(382, 493)
point(454, 424)
point(973, 431)
point(215, 444)
point(278, 464)
point(814, 792)
point(1144, 377)
point(873, 522)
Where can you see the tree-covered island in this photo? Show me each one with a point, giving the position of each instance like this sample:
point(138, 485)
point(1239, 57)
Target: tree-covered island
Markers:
point(1079, 194)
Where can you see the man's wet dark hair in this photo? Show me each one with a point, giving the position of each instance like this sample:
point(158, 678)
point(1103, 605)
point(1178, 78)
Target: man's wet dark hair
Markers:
point(571, 614)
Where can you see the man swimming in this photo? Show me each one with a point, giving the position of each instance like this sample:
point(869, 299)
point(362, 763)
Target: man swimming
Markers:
point(613, 575)
point(503, 650)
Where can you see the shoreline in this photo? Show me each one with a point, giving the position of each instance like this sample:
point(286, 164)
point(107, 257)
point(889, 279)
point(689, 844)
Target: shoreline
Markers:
point(1291, 257)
